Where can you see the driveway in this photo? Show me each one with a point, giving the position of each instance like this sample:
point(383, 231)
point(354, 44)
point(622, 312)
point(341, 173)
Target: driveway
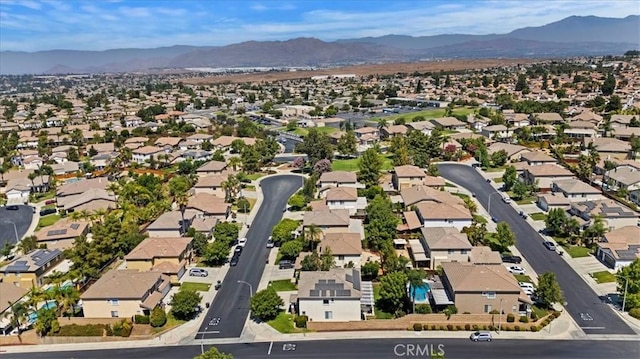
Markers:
point(231, 304)
point(589, 310)
point(22, 220)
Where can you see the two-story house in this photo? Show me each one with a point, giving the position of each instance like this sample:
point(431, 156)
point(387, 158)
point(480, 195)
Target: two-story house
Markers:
point(145, 153)
point(333, 295)
point(537, 158)
point(432, 214)
point(614, 214)
point(208, 205)
point(169, 256)
point(328, 221)
point(211, 184)
point(444, 244)
point(339, 179)
point(619, 247)
point(497, 132)
point(170, 224)
point(125, 293)
point(28, 270)
point(576, 190)
point(407, 176)
point(345, 198)
point(346, 248)
point(212, 168)
point(545, 175)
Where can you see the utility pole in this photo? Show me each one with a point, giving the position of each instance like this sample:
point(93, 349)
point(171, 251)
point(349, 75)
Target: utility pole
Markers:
point(624, 298)
point(500, 320)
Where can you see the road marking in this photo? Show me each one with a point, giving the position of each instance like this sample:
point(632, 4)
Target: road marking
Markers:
point(592, 328)
point(270, 346)
point(211, 332)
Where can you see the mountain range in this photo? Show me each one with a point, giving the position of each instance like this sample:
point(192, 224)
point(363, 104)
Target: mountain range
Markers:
point(572, 36)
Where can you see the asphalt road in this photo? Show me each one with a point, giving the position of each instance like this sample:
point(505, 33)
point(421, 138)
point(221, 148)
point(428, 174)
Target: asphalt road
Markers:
point(22, 219)
point(590, 311)
point(230, 307)
point(373, 349)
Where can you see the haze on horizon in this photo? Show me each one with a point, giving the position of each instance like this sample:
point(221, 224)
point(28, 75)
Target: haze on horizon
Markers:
point(30, 25)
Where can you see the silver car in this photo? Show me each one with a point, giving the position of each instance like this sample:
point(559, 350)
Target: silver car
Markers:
point(480, 337)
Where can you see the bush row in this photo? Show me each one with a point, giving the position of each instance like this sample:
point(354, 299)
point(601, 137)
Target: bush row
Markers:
point(635, 312)
point(418, 327)
point(120, 329)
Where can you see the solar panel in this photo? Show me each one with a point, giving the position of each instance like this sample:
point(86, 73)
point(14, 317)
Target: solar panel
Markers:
point(75, 226)
point(343, 293)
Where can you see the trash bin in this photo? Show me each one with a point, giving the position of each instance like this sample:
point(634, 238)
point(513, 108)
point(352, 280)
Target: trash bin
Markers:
point(206, 305)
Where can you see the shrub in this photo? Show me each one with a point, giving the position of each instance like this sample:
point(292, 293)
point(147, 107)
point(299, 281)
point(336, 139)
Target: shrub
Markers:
point(423, 309)
point(122, 328)
point(534, 316)
point(417, 327)
point(442, 327)
point(433, 327)
point(494, 312)
point(301, 321)
point(524, 319)
point(484, 327)
point(158, 317)
point(510, 318)
point(516, 328)
point(75, 330)
point(534, 328)
point(458, 327)
point(635, 312)
point(449, 326)
point(556, 314)
point(243, 204)
point(491, 327)
point(508, 328)
point(467, 327)
point(466, 313)
point(475, 327)
point(425, 327)
point(141, 319)
point(108, 330)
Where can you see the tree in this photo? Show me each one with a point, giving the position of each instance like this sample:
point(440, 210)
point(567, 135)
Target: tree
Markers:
point(548, 290)
point(370, 166)
point(499, 158)
point(400, 151)
point(432, 170)
point(16, 316)
point(312, 235)
point(47, 322)
point(392, 292)
point(520, 190)
point(213, 353)
point(614, 104)
point(311, 262)
point(68, 298)
point(158, 317)
point(184, 304)
point(216, 253)
point(27, 244)
point(243, 204)
point(178, 189)
point(326, 259)
point(316, 145)
point(416, 280)
point(348, 144)
point(291, 249)
point(297, 202)
point(470, 204)
point(322, 166)
point(595, 231)
point(370, 270)
point(231, 187)
point(283, 231)
point(382, 223)
point(521, 84)
point(504, 235)
point(266, 304)
point(556, 220)
point(509, 177)
point(628, 278)
point(476, 233)
point(250, 159)
point(609, 85)
point(199, 243)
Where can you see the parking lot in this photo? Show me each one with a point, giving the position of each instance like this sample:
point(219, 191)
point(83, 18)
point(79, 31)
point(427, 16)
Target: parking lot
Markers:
point(21, 218)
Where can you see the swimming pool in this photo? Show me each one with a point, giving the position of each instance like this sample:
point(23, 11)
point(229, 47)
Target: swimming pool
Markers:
point(33, 316)
point(420, 292)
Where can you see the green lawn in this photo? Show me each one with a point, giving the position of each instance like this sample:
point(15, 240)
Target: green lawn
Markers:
point(171, 322)
point(523, 278)
point(283, 285)
point(495, 169)
point(427, 114)
point(37, 197)
point(577, 252)
point(48, 220)
point(526, 200)
point(603, 277)
point(304, 131)
point(480, 219)
point(351, 165)
point(252, 202)
point(540, 312)
point(284, 324)
point(461, 195)
point(498, 180)
point(539, 216)
point(202, 287)
point(255, 176)
point(49, 206)
point(449, 184)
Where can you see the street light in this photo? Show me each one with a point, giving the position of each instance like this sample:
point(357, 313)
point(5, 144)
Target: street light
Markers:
point(624, 297)
point(250, 287)
point(15, 230)
point(489, 209)
point(500, 321)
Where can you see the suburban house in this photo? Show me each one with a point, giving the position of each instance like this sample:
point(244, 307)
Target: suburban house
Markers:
point(449, 123)
point(581, 129)
point(536, 158)
point(170, 225)
point(394, 130)
point(433, 214)
point(479, 289)
point(212, 167)
point(62, 234)
point(423, 126)
point(622, 121)
point(226, 141)
point(328, 221)
point(407, 176)
point(417, 194)
point(545, 175)
point(87, 194)
point(29, 270)
point(333, 295)
point(169, 256)
point(514, 152)
point(634, 196)
point(345, 198)
point(125, 293)
point(144, 154)
point(549, 201)
point(367, 136)
point(209, 205)
point(10, 295)
point(346, 248)
point(484, 255)
point(623, 177)
point(497, 132)
point(610, 148)
point(614, 214)
point(547, 117)
point(444, 244)
point(517, 119)
point(168, 143)
point(619, 247)
point(339, 179)
point(211, 184)
point(576, 190)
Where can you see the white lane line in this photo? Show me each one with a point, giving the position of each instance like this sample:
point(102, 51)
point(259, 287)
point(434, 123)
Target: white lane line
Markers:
point(592, 328)
point(270, 346)
point(210, 332)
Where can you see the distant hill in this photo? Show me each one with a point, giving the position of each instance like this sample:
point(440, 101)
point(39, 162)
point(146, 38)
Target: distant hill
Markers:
point(572, 36)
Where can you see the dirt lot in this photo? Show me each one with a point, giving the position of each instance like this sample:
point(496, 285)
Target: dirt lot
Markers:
point(363, 70)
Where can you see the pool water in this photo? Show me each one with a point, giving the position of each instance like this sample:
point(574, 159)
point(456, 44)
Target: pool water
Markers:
point(420, 293)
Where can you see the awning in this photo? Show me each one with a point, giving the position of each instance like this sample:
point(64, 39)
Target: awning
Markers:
point(367, 294)
point(417, 251)
point(440, 297)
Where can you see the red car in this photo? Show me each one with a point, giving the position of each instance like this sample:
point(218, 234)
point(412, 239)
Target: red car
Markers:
point(51, 201)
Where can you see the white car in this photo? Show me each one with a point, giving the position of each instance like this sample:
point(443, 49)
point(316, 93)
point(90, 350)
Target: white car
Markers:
point(524, 285)
point(242, 242)
point(517, 270)
point(506, 200)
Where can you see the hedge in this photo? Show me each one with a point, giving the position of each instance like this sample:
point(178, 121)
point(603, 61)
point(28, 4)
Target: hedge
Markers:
point(417, 327)
point(141, 319)
point(510, 318)
point(635, 312)
point(75, 330)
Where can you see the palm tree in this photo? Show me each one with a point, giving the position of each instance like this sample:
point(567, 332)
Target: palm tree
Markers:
point(595, 231)
point(84, 214)
point(75, 216)
point(16, 316)
point(231, 187)
point(416, 280)
point(31, 176)
point(234, 162)
point(470, 204)
point(382, 123)
point(99, 214)
point(313, 234)
point(35, 296)
point(68, 299)
point(27, 244)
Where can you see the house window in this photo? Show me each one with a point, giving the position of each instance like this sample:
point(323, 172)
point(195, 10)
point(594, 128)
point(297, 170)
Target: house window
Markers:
point(114, 314)
point(325, 301)
point(450, 251)
point(328, 315)
point(341, 258)
point(487, 308)
point(489, 295)
point(113, 301)
point(463, 251)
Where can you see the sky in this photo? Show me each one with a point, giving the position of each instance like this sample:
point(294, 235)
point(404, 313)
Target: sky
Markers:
point(32, 25)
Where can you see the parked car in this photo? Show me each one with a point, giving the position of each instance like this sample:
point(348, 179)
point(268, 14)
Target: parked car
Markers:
point(218, 285)
point(12, 208)
point(506, 199)
point(512, 259)
point(238, 250)
point(51, 201)
point(494, 219)
point(47, 211)
point(242, 242)
point(517, 270)
point(270, 243)
point(523, 215)
point(234, 260)
point(526, 285)
point(198, 272)
point(480, 337)
point(550, 245)
point(285, 264)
